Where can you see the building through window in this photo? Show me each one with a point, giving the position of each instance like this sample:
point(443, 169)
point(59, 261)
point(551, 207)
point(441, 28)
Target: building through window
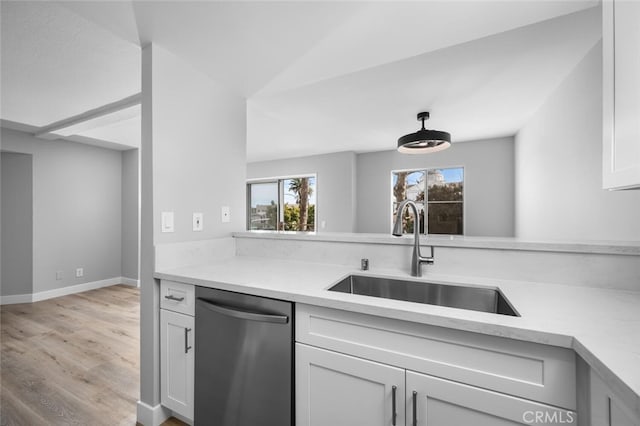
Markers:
point(438, 194)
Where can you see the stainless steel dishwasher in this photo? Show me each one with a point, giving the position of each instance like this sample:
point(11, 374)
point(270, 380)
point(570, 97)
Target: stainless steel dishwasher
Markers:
point(243, 360)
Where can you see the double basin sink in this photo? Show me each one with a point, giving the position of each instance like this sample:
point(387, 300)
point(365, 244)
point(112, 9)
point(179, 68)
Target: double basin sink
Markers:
point(454, 296)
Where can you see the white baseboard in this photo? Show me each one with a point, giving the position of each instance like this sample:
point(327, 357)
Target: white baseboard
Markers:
point(130, 281)
point(72, 289)
point(15, 299)
point(65, 291)
point(151, 416)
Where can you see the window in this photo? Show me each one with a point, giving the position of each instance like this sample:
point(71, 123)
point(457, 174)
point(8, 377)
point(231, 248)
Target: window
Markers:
point(438, 192)
point(286, 204)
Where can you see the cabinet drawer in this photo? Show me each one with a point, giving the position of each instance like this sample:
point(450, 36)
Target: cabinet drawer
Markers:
point(177, 297)
point(529, 370)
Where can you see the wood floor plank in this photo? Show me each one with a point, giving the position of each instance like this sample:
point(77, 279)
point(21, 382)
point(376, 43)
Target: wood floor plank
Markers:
point(71, 360)
point(48, 399)
point(12, 407)
point(173, 422)
point(66, 372)
point(24, 325)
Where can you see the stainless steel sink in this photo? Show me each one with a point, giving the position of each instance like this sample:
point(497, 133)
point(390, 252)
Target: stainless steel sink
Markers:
point(454, 296)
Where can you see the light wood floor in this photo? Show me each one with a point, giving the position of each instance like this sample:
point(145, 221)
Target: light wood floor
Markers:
point(73, 360)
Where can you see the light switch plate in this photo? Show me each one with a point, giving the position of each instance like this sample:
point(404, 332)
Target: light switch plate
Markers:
point(198, 225)
point(225, 212)
point(167, 221)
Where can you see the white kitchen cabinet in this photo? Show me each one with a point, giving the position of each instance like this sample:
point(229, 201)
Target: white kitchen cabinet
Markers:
point(606, 408)
point(177, 297)
point(432, 401)
point(347, 364)
point(341, 390)
point(621, 94)
point(526, 370)
point(177, 362)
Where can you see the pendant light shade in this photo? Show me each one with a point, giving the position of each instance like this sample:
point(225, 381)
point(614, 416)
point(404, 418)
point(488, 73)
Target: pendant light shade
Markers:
point(424, 141)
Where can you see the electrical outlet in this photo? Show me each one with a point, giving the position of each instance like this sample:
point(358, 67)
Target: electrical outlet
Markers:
point(198, 225)
point(79, 272)
point(225, 213)
point(58, 275)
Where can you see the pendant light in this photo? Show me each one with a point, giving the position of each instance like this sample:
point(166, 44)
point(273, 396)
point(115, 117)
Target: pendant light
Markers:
point(424, 141)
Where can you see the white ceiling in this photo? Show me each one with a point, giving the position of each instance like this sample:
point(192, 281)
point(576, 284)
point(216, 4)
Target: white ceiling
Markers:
point(56, 64)
point(479, 89)
point(319, 76)
point(385, 32)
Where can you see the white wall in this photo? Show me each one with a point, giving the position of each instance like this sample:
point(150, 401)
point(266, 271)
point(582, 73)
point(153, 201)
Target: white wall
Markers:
point(558, 156)
point(17, 224)
point(335, 185)
point(76, 210)
point(488, 193)
point(199, 151)
point(130, 213)
point(193, 160)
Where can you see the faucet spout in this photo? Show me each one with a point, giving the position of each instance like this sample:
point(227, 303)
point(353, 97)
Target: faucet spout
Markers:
point(416, 259)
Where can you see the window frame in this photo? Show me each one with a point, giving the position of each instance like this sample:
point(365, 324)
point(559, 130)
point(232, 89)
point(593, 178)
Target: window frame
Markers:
point(279, 180)
point(426, 197)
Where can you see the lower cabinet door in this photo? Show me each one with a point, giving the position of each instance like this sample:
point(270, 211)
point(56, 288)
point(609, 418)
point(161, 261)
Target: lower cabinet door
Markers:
point(437, 402)
point(341, 390)
point(606, 409)
point(177, 362)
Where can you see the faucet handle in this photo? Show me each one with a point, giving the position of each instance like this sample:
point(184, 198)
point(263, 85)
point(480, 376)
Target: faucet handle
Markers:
point(431, 251)
point(429, 260)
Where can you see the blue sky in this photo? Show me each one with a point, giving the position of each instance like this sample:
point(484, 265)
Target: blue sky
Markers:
point(450, 176)
point(263, 193)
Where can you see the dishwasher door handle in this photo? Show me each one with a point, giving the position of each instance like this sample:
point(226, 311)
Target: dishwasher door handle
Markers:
point(241, 314)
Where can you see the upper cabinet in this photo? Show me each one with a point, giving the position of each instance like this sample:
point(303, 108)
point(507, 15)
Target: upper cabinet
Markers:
point(621, 94)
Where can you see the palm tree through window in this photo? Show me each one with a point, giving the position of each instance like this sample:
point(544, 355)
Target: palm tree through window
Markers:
point(282, 204)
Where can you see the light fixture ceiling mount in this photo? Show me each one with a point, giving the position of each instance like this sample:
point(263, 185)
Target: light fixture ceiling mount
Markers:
point(424, 141)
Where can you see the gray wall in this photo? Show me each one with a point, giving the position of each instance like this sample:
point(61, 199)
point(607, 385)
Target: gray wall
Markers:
point(76, 210)
point(559, 167)
point(193, 160)
point(130, 213)
point(488, 193)
point(17, 224)
point(335, 185)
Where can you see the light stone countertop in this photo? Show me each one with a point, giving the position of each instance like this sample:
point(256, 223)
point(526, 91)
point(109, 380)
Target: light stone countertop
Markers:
point(601, 325)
